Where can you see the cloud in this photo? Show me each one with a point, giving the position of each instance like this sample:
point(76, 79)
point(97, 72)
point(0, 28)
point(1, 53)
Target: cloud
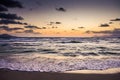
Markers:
point(81, 27)
point(25, 23)
point(32, 27)
point(111, 33)
point(117, 19)
point(10, 16)
point(104, 25)
point(73, 29)
point(11, 4)
point(58, 22)
point(28, 31)
point(6, 22)
point(44, 28)
point(88, 31)
point(61, 9)
point(116, 32)
point(103, 32)
point(97, 32)
point(53, 27)
point(6, 28)
point(31, 32)
point(110, 22)
point(2, 8)
point(52, 23)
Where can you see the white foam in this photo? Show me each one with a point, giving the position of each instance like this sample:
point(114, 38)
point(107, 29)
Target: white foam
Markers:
point(37, 62)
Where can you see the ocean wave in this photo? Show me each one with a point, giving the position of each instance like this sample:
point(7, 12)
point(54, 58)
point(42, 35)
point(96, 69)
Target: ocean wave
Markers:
point(62, 46)
point(73, 41)
point(36, 62)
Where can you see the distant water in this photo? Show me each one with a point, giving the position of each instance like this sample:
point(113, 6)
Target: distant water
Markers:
point(29, 54)
point(62, 46)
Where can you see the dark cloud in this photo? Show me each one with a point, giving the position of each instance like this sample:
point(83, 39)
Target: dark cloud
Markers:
point(28, 31)
point(104, 25)
point(6, 22)
point(32, 27)
point(73, 29)
point(10, 16)
point(17, 28)
point(52, 23)
point(117, 19)
point(11, 4)
point(54, 27)
point(116, 32)
point(25, 23)
point(88, 32)
point(104, 32)
point(2, 8)
point(58, 22)
point(111, 33)
point(81, 27)
point(97, 32)
point(31, 32)
point(61, 9)
point(110, 22)
point(6, 28)
point(44, 28)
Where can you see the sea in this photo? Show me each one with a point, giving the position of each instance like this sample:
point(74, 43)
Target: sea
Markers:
point(68, 53)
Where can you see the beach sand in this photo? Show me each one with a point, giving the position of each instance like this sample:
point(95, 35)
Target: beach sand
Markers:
point(6, 74)
point(107, 71)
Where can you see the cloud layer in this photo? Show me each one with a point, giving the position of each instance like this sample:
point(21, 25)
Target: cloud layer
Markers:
point(2, 8)
point(117, 19)
point(6, 28)
point(6, 22)
point(31, 32)
point(32, 27)
point(11, 4)
point(111, 33)
point(10, 16)
point(104, 25)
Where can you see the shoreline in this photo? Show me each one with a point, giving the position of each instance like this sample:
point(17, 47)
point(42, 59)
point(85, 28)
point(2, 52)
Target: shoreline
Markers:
point(107, 71)
point(6, 74)
point(32, 60)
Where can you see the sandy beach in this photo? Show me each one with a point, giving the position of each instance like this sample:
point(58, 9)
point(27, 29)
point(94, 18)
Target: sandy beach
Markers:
point(6, 74)
point(107, 71)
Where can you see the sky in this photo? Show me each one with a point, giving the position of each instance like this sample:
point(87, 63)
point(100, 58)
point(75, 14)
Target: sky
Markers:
point(60, 18)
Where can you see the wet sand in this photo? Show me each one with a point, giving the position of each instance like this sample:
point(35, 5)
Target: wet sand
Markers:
point(107, 71)
point(6, 74)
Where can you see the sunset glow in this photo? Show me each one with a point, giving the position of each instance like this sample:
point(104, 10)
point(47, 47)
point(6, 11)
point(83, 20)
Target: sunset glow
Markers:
point(65, 18)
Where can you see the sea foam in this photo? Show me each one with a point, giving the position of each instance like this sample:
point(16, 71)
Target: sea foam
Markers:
point(36, 62)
